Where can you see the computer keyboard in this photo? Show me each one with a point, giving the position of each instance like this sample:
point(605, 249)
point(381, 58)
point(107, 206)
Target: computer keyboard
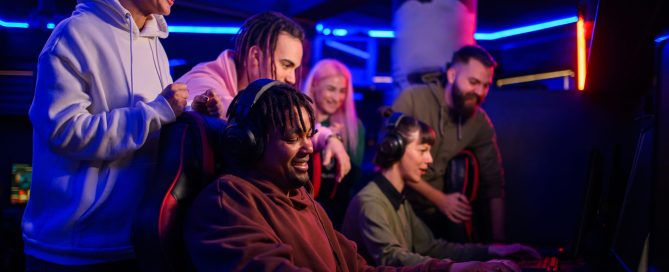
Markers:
point(548, 263)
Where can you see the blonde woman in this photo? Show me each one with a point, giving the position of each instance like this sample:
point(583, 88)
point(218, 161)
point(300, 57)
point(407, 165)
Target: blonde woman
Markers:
point(330, 85)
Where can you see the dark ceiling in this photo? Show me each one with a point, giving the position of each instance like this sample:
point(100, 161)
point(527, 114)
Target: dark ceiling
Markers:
point(493, 15)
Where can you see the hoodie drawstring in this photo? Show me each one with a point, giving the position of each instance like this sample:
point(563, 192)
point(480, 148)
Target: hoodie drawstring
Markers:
point(132, 83)
point(327, 236)
point(156, 62)
point(459, 127)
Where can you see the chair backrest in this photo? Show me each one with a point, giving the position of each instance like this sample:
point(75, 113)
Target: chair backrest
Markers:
point(189, 159)
point(463, 175)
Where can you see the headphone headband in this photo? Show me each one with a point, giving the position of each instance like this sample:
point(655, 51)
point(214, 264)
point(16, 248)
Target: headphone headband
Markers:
point(394, 120)
point(249, 96)
point(240, 136)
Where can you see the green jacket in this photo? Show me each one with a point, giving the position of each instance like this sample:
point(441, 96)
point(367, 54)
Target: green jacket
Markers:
point(426, 103)
point(388, 232)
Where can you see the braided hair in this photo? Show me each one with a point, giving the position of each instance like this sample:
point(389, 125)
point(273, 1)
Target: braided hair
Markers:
point(278, 108)
point(263, 30)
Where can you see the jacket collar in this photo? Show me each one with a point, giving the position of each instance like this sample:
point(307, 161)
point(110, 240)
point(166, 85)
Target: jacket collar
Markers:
point(297, 198)
point(396, 198)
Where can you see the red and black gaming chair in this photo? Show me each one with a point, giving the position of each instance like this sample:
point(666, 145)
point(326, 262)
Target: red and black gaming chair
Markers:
point(462, 176)
point(189, 159)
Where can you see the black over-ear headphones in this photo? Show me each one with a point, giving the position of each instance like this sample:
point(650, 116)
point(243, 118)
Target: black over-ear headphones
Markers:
point(392, 144)
point(241, 136)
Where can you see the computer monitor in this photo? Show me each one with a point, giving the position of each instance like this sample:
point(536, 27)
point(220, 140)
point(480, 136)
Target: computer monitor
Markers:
point(21, 179)
point(635, 214)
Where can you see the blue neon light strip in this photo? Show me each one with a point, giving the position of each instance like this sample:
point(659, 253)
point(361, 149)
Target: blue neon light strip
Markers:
point(175, 29)
point(493, 35)
point(348, 49)
point(524, 29)
point(13, 24)
point(661, 38)
point(339, 32)
point(381, 33)
point(344, 32)
point(177, 62)
point(204, 29)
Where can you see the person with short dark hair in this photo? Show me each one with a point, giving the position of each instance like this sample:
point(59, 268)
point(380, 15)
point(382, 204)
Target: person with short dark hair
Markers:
point(453, 110)
point(383, 223)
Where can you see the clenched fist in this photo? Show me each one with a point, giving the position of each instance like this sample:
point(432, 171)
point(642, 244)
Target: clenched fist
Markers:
point(209, 103)
point(176, 94)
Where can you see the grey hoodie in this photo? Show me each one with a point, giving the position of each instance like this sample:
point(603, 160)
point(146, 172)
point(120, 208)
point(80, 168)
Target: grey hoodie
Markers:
point(96, 117)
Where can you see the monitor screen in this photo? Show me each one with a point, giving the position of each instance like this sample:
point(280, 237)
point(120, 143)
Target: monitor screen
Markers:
point(634, 220)
point(22, 177)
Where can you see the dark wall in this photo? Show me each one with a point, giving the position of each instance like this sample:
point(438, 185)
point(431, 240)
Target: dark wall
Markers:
point(546, 139)
point(660, 221)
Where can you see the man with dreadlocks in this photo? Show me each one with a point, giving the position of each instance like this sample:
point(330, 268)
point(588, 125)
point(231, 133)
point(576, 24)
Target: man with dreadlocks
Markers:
point(262, 216)
point(268, 45)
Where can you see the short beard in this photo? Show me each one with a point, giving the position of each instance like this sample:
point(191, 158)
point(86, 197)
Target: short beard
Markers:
point(459, 101)
point(296, 183)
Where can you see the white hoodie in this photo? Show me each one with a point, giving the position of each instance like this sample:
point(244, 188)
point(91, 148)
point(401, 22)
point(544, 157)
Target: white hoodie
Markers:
point(96, 115)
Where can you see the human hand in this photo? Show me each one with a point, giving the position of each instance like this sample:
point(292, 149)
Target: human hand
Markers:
point(514, 250)
point(335, 148)
point(336, 128)
point(492, 266)
point(456, 207)
point(176, 95)
point(209, 103)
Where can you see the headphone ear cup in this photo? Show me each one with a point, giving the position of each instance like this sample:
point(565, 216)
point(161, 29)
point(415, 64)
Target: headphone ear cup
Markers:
point(256, 145)
point(392, 146)
point(240, 142)
point(241, 137)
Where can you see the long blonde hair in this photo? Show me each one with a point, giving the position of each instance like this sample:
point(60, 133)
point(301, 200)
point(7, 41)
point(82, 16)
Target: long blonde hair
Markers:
point(346, 114)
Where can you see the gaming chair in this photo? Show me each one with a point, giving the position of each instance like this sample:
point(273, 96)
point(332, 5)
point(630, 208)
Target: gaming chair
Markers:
point(188, 160)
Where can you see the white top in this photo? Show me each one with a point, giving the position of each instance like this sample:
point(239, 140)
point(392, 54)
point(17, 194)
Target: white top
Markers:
point(96, 117)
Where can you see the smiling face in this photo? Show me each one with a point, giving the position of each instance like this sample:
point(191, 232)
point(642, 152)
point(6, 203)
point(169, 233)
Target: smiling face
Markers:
point(468, 85)
point(159, 7)
point(413, 164)
point(285, 159)
point(287, 58)
point(330, 94)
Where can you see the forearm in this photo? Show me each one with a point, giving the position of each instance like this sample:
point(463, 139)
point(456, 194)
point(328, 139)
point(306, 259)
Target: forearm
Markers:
point(66, 115)
point(460, 252)
point(321, 138)
point(426, 190)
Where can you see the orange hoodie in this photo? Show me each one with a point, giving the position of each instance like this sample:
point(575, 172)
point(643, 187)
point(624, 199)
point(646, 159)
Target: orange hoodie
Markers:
point(237, 224)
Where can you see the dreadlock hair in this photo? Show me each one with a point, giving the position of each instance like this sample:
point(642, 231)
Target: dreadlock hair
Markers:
point(277, 109)
point(263, 30)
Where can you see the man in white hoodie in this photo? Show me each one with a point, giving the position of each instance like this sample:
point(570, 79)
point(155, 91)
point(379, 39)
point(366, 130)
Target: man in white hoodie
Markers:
point(103, 92)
